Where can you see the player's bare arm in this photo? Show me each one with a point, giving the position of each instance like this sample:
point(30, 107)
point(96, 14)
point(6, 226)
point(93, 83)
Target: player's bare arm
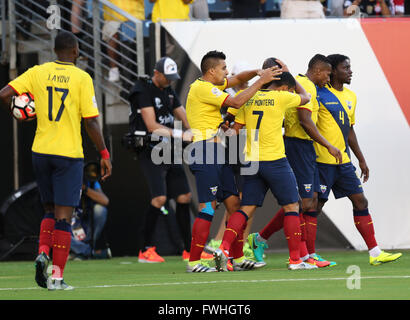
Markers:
point(310, 128)
point(94, 132)
point(5, 96)
point(354, 145)
point(242, 77)
point(96, 195)
point(266, 75)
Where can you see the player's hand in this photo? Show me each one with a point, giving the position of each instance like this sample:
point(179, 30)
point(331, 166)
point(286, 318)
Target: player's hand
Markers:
point(106, 168)
point(269, 74)
point(284, 66)
point(187, 136)
point(365, 170)
point(336, 153)
point(224, 125)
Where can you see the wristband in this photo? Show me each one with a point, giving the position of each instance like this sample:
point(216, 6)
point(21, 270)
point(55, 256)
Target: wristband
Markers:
point(177, 133)
point(105, 154)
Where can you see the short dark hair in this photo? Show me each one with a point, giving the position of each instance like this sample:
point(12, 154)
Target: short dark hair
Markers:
point(286, 78)
point(317, 59)
point(270, 62)
point(65, 40)
point(210, 60)
point(336, 59)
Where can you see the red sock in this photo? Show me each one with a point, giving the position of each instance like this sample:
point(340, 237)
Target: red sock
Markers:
point(302, 227)
point(303, 249)
point(200, 233)
point(236, 250)
point(364, 224)
point(236, 225)
point(61, 247)
point(311, 230)
point(46, 233)
point(274, 225)
point(291, 224)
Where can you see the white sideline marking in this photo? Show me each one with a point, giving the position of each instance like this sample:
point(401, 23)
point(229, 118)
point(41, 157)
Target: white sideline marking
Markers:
point(212, 282)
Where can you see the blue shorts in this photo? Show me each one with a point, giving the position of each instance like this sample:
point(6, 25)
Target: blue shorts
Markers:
point(274, 175)
point(302, 158)
point(215, 180)
point(341, 179)
point(59, 179)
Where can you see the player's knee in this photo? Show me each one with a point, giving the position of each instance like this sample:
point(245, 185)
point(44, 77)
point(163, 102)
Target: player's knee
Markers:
point(308, 204)
point(360, 203)
point(159, 201)
point(48, 207)
point(291, 207)
point(184, 198)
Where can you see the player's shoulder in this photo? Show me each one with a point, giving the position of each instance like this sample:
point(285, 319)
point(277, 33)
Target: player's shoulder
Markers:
point(348, 91)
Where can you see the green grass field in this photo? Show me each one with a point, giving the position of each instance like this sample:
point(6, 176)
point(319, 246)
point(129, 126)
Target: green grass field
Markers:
point(126, 279)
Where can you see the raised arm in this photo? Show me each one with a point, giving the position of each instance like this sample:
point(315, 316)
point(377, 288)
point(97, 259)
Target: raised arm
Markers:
point(266, 75)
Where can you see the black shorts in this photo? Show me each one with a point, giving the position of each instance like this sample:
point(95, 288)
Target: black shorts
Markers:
point(167, 180)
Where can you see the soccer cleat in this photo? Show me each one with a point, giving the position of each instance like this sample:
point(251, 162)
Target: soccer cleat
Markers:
point(150, 256)
point(204, 256)
point(247, 251)
point(319, 258)
point(247, 264)
point(258, 247)
point(319, 264)
point(221, 260)
point(384, 257)
point(213, 245)
point(300, 265)
point(185, 255)
point(41, 264)
point(54, 284)
point(199, 268)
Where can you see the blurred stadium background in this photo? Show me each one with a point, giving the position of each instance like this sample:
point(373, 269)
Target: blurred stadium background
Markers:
point(378, 47)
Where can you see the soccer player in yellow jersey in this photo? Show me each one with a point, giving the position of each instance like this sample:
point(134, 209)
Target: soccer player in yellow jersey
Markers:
point(214, 178)
point(265, 150)
point(300, 132)
point(337, 105)
point(63, 94)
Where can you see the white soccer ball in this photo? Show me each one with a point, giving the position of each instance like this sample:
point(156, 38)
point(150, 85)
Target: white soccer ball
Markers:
point(23, 108)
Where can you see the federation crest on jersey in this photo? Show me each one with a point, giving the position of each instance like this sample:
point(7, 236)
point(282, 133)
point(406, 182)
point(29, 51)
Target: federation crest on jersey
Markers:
point(214, 190)
point(349, 104)
point(216, 91)
point(323, 188)
point(308, 187)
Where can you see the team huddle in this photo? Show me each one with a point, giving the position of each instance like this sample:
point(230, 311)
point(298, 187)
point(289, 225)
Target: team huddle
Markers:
point(300, 168)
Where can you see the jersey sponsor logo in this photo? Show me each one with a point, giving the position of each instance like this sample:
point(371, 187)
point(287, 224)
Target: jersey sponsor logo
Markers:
point(308, 187)
point(323, 188)
point(214, 190)
point(216, 91)
point(158, 103)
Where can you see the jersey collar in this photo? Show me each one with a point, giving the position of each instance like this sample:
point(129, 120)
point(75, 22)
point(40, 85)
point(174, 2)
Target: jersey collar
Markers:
point(64, 63)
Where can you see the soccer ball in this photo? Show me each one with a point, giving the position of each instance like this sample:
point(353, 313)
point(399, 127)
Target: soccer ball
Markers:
point(23, 108)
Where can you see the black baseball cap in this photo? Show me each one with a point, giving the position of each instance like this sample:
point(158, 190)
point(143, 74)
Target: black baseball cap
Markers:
point(168, 67)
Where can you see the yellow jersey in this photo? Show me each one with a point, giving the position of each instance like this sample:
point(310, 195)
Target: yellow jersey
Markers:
point(203, 108)
point(336, 116)
point(63, 94)
point(170, 10)
point(263, 117)
point(133, 7)
point(292, 125)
